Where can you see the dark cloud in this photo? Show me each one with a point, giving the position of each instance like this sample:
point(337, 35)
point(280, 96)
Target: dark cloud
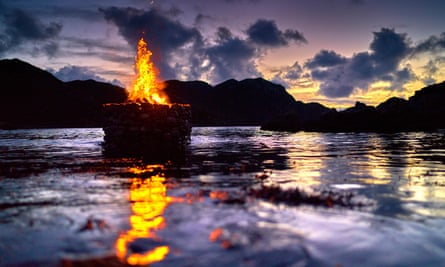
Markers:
point(340, 76)
point(325, 58)
point(51, 49)
point(334, 89)
point(388, 49)
point(180, 52)
point(21, 27)
point(166, 37)
point(294, 72)
point(231, 57)
point(294, 35)
point(288, 75)
point(432, 45)
point(265, 32)
point(72, 73)
point(361, 67)
point(161, 32)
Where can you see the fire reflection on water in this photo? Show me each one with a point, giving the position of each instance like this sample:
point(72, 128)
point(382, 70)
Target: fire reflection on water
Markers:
point(148, 200)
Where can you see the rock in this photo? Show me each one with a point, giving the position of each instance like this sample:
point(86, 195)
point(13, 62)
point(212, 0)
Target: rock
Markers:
point(143, 129)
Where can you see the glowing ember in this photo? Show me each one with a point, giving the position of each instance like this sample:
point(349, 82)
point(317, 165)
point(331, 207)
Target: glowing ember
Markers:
point(147, 87)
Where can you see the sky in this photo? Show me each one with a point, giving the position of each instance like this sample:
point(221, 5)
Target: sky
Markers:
point(334, 52)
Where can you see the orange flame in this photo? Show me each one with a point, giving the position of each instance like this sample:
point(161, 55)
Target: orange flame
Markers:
point(147, 86)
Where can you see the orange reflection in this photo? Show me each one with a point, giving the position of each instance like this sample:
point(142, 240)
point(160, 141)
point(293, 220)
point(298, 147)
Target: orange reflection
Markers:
point(215, 234)
point(220, 195)
point(148, 201)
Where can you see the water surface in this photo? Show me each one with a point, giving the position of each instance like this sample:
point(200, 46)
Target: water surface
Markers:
point(61, 200)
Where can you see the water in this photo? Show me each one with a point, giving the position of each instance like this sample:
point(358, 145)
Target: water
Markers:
point(63, 203)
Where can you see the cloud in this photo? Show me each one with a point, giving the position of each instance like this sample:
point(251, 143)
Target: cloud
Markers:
point(72, 73)
point(432, 45)
point(167, 38)
point(325, 58)
point(21, 27)
point(202, 19)
point(388, 49)
point(288, 75)
point(432, 70)
point(181, 52)
point(265, 32)
point(231, 57)
point(223, 34)
point(341, 76)
point(161, 32)
point(50, 49)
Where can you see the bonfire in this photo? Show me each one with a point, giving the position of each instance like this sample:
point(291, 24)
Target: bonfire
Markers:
point(147, 87)
point(147, 124)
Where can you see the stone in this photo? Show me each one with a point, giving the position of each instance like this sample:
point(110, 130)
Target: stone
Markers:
point(148, 130)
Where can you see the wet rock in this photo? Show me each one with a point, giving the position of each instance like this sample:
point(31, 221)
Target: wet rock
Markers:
point(296, 196)
point(94, 224)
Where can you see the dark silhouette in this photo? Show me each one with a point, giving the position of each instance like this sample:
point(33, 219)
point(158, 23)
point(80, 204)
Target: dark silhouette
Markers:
point(422, 112)
point(33, 98)
point(246, 102)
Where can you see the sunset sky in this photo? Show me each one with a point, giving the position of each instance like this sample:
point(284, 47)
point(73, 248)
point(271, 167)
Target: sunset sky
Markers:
point(335, 52)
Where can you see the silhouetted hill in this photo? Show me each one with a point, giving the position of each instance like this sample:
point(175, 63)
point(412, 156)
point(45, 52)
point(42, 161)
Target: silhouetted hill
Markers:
point(246, 102)
point(195, 93)
point(31, 97)
point(423, 111)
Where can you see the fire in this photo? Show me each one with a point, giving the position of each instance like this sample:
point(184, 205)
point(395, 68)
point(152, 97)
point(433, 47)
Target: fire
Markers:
point(147, 86)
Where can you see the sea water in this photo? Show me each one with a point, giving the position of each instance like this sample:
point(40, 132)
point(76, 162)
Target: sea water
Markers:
point(62, 200)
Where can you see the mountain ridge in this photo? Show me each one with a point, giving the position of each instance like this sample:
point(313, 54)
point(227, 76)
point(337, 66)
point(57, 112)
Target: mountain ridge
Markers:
point(424, 111)
point(33, 98)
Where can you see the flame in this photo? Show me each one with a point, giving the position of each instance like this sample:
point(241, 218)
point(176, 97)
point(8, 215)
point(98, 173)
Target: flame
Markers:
point(147, 86)
point(148, 200)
